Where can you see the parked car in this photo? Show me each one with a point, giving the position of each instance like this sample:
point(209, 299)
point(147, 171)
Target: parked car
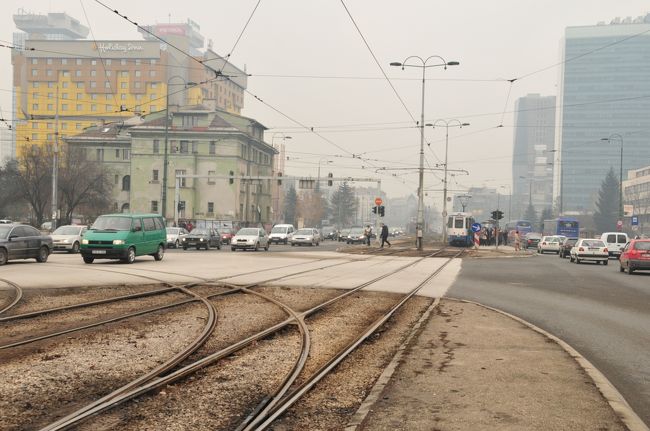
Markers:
point(68, 238)
point(19, 241)
point(343, 235)
point(531, 240)
point(175, 236)
point(635, 255)
point(329, 232)
point(226, 235)
point(281, 233)
point(250, 238)
point(589, 249)
point(305, 236)
point(5, 221)
point(356, 236)
point(125, 236)
point(566, 245)
point(201, 237)
point(615, 242)
point(549, 243)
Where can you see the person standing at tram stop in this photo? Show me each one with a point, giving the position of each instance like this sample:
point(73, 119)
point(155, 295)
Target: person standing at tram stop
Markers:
point(384, 236)
point(517, 241)
point(367, 232)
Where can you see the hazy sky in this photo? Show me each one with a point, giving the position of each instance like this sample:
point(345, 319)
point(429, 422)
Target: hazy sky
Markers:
point(309, 62)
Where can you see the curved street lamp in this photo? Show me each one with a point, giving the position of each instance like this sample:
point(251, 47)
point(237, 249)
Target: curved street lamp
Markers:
point(166, 150)
point(419, 228)
point(620, 181)
point(447, 123)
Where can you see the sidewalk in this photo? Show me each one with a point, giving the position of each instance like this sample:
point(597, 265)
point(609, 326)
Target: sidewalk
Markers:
point(471, 368)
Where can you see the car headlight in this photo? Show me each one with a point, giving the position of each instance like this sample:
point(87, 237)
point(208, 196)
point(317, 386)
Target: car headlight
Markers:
point(201, 239)
point(67, 241)
point(84, 241)
point(118, 242)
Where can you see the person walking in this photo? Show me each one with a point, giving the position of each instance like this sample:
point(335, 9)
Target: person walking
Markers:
point(517, 241)
point(384, 236)
point(368, 233)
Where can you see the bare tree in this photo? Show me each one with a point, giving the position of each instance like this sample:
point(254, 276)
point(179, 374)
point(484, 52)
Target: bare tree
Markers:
point(311, 208)
point(33, 180)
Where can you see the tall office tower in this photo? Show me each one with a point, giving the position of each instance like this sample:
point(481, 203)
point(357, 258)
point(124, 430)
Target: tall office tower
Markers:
point(604, 85)
point(64, 82)
point(532, 158)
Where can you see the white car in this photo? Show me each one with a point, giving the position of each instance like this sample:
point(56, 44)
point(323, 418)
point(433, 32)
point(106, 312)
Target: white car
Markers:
point(250, 238)
point(615, 242)
point(305, 236)
point(68, 238)
point(589, 249)
point(548, 243)
point(175, 236)
point(281, 233)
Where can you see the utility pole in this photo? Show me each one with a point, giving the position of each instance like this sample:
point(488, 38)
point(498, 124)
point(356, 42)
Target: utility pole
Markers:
point(55, 162)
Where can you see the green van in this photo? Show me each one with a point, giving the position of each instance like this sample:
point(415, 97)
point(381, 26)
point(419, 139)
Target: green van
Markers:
point(124, 236)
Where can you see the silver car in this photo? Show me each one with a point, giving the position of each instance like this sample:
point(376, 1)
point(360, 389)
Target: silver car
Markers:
point(250, 238)
point(68, 238)
point(305, 236)
point(175, 236)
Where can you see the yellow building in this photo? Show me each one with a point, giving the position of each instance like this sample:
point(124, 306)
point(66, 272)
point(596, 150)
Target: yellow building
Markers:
point(64, 83)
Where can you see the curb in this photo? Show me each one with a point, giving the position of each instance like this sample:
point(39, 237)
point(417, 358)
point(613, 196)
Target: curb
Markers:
point(616, 401)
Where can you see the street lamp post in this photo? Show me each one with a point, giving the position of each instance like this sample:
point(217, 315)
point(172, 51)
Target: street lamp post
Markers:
point(620, 180)
point(447, 124)
point(166, 149)
point(419, 228)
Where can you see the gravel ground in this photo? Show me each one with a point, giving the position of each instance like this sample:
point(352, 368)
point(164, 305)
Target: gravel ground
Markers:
point(47, 384)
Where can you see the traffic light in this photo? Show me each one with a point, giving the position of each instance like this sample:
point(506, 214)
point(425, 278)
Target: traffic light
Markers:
point(381, 210)
point(181, 205)
point(279, 178)
point(329, 179)
point(231, 180)
point(497, 215)
point(374, 210)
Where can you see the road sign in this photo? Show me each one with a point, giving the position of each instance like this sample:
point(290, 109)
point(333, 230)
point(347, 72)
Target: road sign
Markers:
point(635, 221)
point(378, 201)
point(476, 227)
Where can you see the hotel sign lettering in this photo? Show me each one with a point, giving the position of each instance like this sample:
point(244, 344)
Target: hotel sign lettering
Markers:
point(127, 47)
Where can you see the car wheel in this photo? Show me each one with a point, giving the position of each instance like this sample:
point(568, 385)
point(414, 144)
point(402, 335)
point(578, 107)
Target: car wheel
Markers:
point(286, 241)
point(89, 259)
point(570, 258)
point(266, 248)
point(130, 255)
point(75, 248)
point(184, 247)
point(233, 249)
point(577, 260)
point(176, 244)
point(605, 262)
point(621, 269)
point(43, 253)
point(257, 246)
point(218, 246)
point(293, 245)
point(198, 247)
point(630, 270)
point(160, 253)
point(207, 245)
point(3, 256)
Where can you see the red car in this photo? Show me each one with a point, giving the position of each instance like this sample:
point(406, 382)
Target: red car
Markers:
point(635, 255)
point(226, 235)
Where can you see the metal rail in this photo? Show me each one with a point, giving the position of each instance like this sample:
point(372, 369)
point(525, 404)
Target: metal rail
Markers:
point(17, 297)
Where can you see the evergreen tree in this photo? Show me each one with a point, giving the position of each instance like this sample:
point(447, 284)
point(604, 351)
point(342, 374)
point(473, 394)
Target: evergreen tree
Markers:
point(547, 214)
point(607, 206)
point(530, 214)
point(343, 205)
point(290, 204)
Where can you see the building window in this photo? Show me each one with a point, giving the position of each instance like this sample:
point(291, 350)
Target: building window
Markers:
point(80, 85)
point(182, 181)
point(35, 84)
point(137, 85)
point(117, 153)
point(49, 61)
point(123, 85)
point(210, 207)
point(64, 106)
point(65, 73)
point(80, 96)
point(34, 136)
point(184, 148)
point(123, 96)
point(126, 183)
point(195, 147)
point(50, 125)
point(77, 73)
point(93, 108)
point(153, 61)
point(93, 73)
point(49, 72)
point(35, 107)
point(137, 73)
point(64, 95)
point(108, 62)
point(152, 73)
point(108, 73)
point(93, 62)
point(126, 154)
point(107, 84)
point(93, 96)
point(93, 84)
point(190, 120)
point(108, 96)
point(154, 85)
point(213, 147)
point(78, 126)
point(211, 180)
point(79, 62)
point(138, 62)
point(100, 154)
point(123, 62)
point(154, 175)
point(34, 60)
point(34, 72)
point(64, 126)
point(79, 108)
point(50, 84)
point(154, 206)
point(152, 108)
point(50, 107)
point(109, 108)
point(34, 125)
point(156, 146)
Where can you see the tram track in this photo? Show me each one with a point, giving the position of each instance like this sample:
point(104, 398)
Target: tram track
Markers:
point(268, 407)
point(17, 296)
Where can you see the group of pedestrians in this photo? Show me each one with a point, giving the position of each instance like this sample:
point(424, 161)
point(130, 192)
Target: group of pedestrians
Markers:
point(383, 235)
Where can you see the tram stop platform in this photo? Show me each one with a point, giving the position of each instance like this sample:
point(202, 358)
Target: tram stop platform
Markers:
point(472, 368)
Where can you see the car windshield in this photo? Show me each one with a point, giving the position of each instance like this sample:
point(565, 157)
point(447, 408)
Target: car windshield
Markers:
point(4, 231)
point(642, 245)
point(570, 241)
point(199, 231)
point(173, 230)
point(248, 231)
point(112, 223)
point(274, 230)
point(523, 224)
point(303, 232)
point(226, 230)
point(67, 230)
point(593, 243)
point(356, 231)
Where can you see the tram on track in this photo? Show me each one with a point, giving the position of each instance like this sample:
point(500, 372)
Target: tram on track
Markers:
point(459, 229)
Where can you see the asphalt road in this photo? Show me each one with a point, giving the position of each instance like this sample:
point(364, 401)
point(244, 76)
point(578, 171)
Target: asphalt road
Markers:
point(602, 313)
point(323, 246)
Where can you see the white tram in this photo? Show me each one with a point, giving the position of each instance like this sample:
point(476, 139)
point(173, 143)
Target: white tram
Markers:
point(459, 229)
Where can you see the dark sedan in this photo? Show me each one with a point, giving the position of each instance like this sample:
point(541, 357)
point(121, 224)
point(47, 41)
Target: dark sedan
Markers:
point(19, 241)
point(202, 238)
point(565, 247)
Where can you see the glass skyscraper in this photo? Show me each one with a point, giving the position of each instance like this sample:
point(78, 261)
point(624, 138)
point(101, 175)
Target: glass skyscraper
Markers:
point(604, 90)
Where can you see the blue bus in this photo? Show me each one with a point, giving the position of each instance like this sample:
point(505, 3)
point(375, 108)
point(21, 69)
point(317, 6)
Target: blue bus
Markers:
point(565, 226)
